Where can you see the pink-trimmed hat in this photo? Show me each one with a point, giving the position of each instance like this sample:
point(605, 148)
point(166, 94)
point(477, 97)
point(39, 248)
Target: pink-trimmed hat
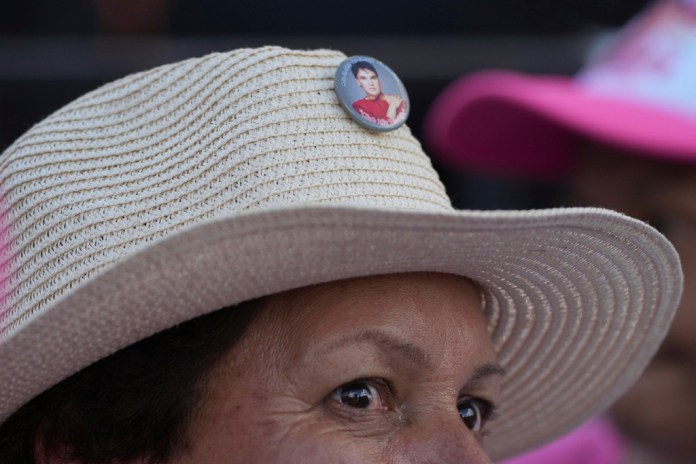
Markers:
point(637, 93)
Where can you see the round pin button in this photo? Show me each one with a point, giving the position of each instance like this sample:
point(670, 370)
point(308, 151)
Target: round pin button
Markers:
point(371, 93)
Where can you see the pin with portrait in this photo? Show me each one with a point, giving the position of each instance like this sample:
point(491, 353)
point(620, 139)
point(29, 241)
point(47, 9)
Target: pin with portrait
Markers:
point(371, 93)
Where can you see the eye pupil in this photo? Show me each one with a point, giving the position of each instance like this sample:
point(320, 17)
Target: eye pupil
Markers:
point(471, 415)
point(356, 395)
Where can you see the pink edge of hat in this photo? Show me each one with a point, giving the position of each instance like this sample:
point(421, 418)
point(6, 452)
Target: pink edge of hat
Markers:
point(511, 124)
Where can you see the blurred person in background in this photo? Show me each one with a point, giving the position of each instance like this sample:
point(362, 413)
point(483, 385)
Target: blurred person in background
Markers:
point(620, 134)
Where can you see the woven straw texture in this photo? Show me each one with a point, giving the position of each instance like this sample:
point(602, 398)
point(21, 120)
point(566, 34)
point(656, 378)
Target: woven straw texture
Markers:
point(180, 190)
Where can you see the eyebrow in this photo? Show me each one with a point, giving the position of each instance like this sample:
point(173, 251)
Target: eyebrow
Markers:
point(409, 351)
point(487, 370)
point(387, 342)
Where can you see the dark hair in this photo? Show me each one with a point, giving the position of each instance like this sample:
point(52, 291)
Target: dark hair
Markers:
point(137, 403)
point(358, 65)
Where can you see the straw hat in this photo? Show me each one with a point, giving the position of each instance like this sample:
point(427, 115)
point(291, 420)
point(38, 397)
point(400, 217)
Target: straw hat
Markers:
point(636, 93)
point(180, 190)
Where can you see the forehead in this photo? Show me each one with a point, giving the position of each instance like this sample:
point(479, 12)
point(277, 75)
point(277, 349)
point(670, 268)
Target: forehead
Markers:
point(424, 309)
point(409, 291)
point(366, 71)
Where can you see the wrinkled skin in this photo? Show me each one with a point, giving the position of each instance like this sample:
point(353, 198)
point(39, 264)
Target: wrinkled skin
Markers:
point(660, 410)
point(373, 370)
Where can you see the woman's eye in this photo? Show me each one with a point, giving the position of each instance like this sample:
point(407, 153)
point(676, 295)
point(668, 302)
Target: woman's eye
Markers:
point(474, 413)
point(360, 394)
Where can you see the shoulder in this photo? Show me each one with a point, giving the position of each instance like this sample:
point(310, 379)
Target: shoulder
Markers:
point(359, 103)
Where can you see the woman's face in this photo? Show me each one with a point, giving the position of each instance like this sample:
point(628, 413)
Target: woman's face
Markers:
point(369, 82)
point(388, 369)
point(660, 410)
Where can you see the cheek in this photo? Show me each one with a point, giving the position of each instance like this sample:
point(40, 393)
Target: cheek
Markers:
point(304, 443)
point(246, 425)
point(270, 439)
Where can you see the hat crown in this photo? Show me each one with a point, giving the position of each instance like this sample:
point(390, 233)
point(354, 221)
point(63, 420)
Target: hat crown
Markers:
point(159, 151)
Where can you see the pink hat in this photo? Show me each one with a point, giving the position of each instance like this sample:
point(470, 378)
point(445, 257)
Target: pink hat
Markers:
point(638, 93)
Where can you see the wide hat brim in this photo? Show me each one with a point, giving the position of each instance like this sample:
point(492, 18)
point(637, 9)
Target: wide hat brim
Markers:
point(577, 299)
point(507, 123)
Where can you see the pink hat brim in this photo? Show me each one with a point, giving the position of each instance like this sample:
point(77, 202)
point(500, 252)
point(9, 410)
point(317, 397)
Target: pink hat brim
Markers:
point(505, 123)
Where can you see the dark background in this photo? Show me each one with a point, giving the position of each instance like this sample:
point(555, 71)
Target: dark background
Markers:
point(52, 51)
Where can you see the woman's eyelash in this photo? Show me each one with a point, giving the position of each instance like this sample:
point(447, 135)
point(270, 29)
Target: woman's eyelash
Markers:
point(383, 385)
point(490, 410)
point(487, 411)
point(363, 393)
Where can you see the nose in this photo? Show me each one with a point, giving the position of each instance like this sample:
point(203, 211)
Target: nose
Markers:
point(440, 439)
